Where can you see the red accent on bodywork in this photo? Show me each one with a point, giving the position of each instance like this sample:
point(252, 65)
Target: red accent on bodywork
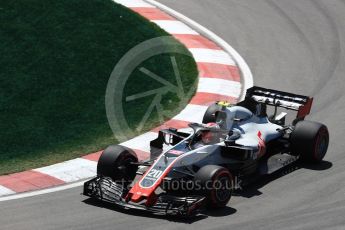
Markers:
point(259, 135)
point(304, 110)
point(138, 193)
point(261, 145)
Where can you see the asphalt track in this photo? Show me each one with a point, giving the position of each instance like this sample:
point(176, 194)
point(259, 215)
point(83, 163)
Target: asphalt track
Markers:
point(294, 45)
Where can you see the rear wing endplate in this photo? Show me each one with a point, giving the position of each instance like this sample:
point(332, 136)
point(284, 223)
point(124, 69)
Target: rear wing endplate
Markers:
point(301, 104)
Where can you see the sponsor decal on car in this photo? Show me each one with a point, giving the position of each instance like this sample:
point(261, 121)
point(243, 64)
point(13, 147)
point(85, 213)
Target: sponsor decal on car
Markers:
point(175, 152)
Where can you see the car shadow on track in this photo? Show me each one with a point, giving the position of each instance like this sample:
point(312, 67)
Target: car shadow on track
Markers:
point(252, 188)
point(180, 219)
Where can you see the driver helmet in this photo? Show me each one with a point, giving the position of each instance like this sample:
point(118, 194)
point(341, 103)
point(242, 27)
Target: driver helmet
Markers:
point(207, 136)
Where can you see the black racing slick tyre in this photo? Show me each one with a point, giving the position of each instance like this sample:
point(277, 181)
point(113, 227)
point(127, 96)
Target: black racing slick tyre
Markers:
point(310, 141)
point(116, 162)
point(210, 114)
point(216, 183)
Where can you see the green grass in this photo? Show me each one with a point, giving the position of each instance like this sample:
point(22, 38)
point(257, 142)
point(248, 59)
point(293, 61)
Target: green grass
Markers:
point(56, 59)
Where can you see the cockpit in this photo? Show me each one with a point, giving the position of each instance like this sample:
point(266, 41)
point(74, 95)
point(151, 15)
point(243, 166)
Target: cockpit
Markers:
point(206, 134)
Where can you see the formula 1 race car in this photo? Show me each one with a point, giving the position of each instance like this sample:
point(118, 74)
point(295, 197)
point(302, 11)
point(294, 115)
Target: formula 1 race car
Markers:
point(198, 167)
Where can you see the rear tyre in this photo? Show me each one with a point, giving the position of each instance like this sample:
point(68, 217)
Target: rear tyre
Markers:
point(210, 114)
point(310, 141)
point(216, 182)
point(116, 162)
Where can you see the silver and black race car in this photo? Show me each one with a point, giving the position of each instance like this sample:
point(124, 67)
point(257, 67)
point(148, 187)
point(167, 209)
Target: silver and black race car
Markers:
point(198, 167)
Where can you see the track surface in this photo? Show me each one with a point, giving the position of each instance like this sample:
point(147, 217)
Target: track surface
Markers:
point(296, 46)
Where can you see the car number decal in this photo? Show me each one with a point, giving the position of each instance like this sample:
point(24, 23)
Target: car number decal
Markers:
point(154, 174)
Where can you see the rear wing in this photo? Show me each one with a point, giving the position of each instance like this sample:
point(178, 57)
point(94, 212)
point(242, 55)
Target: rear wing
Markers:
point(301, 104)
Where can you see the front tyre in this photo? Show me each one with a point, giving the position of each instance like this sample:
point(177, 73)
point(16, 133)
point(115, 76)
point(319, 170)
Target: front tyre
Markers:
point(310, 141)
point(216, 182)
point(117, 162)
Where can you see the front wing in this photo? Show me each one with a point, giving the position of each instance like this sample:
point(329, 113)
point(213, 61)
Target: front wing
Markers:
point(105, 189)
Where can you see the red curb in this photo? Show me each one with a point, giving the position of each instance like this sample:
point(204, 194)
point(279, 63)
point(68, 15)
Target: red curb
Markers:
point(177, 124)
point(142, 155)
point(196, 41)
point(212, 70)
point(209, 98)
point(93, 156)
point(152, 13)
point(29, 180)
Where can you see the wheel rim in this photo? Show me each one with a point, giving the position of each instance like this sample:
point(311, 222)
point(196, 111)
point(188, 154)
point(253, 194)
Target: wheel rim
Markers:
point(321, 144)
point(223, 193)
point(124, 168)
